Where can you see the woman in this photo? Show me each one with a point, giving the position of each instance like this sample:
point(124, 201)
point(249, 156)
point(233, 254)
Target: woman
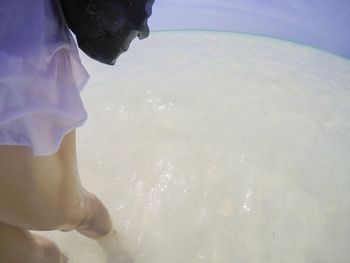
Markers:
point(40, 108)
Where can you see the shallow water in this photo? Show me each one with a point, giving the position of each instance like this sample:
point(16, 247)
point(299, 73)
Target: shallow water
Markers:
point(217, 147)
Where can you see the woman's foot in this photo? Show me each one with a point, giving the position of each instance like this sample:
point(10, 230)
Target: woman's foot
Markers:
point(113, 250)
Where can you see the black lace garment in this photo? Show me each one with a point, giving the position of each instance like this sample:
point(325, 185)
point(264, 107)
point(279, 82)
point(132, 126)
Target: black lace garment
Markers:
point(105, 28)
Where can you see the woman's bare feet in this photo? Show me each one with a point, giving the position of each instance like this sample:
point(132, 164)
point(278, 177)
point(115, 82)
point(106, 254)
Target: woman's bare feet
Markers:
point(113, 250)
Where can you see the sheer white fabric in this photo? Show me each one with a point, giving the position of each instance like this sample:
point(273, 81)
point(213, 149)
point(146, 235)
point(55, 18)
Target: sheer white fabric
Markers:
point(41, 76)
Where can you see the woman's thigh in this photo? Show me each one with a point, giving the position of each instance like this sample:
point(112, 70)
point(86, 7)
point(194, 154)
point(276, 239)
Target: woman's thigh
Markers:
point(41, 192)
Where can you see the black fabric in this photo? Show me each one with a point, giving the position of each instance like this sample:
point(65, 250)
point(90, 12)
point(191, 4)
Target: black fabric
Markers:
point(105, 28)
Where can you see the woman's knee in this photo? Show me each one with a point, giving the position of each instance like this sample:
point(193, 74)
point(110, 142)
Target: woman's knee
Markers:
point(98, 221)
point(19, 245)
point(75, 212)
point(68, 213)
point(49, 251)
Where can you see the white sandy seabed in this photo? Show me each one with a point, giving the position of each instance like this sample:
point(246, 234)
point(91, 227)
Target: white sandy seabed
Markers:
point(218, 147)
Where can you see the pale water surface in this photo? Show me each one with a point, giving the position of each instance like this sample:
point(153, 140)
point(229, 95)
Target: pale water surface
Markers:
point(219, 147)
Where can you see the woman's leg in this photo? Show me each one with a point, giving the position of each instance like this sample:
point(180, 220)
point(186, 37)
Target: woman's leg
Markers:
point(19, 245)
point(45, 193)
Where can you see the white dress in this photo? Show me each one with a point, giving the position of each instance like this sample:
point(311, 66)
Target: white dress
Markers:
point(41, 76)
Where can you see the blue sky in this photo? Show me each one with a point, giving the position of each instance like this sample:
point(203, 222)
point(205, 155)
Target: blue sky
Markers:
point(324, 24)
